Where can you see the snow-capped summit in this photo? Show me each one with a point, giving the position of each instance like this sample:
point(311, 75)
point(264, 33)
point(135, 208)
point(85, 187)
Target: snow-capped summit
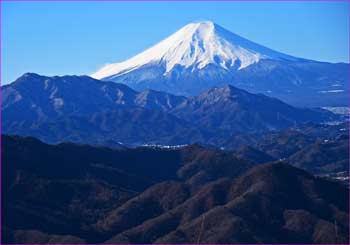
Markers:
point(203, 54)
point(197, 45)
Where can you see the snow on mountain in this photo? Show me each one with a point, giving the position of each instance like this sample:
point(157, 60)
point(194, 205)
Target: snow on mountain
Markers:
point(196, 45)
point(202, 55)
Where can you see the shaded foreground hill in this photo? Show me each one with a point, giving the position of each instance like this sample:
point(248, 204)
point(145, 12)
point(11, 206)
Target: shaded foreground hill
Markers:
point(273, 203)
point(71, 193)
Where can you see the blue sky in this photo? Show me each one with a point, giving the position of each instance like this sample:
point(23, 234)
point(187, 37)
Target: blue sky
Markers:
point(57, 38)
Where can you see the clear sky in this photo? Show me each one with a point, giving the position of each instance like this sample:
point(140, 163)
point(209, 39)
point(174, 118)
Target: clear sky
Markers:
point(57, 38)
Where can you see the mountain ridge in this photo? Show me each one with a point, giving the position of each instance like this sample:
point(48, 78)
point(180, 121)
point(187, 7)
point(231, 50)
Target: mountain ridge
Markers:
point(82, 109)
point(76, 193)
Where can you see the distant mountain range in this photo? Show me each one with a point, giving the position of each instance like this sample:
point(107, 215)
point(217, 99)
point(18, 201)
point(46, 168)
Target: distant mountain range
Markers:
point(71, 193)
point(202, 55)
point(321, 150)
point(82, 109)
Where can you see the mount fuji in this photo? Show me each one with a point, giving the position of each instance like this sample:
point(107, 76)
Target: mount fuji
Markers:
point(203, 54)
